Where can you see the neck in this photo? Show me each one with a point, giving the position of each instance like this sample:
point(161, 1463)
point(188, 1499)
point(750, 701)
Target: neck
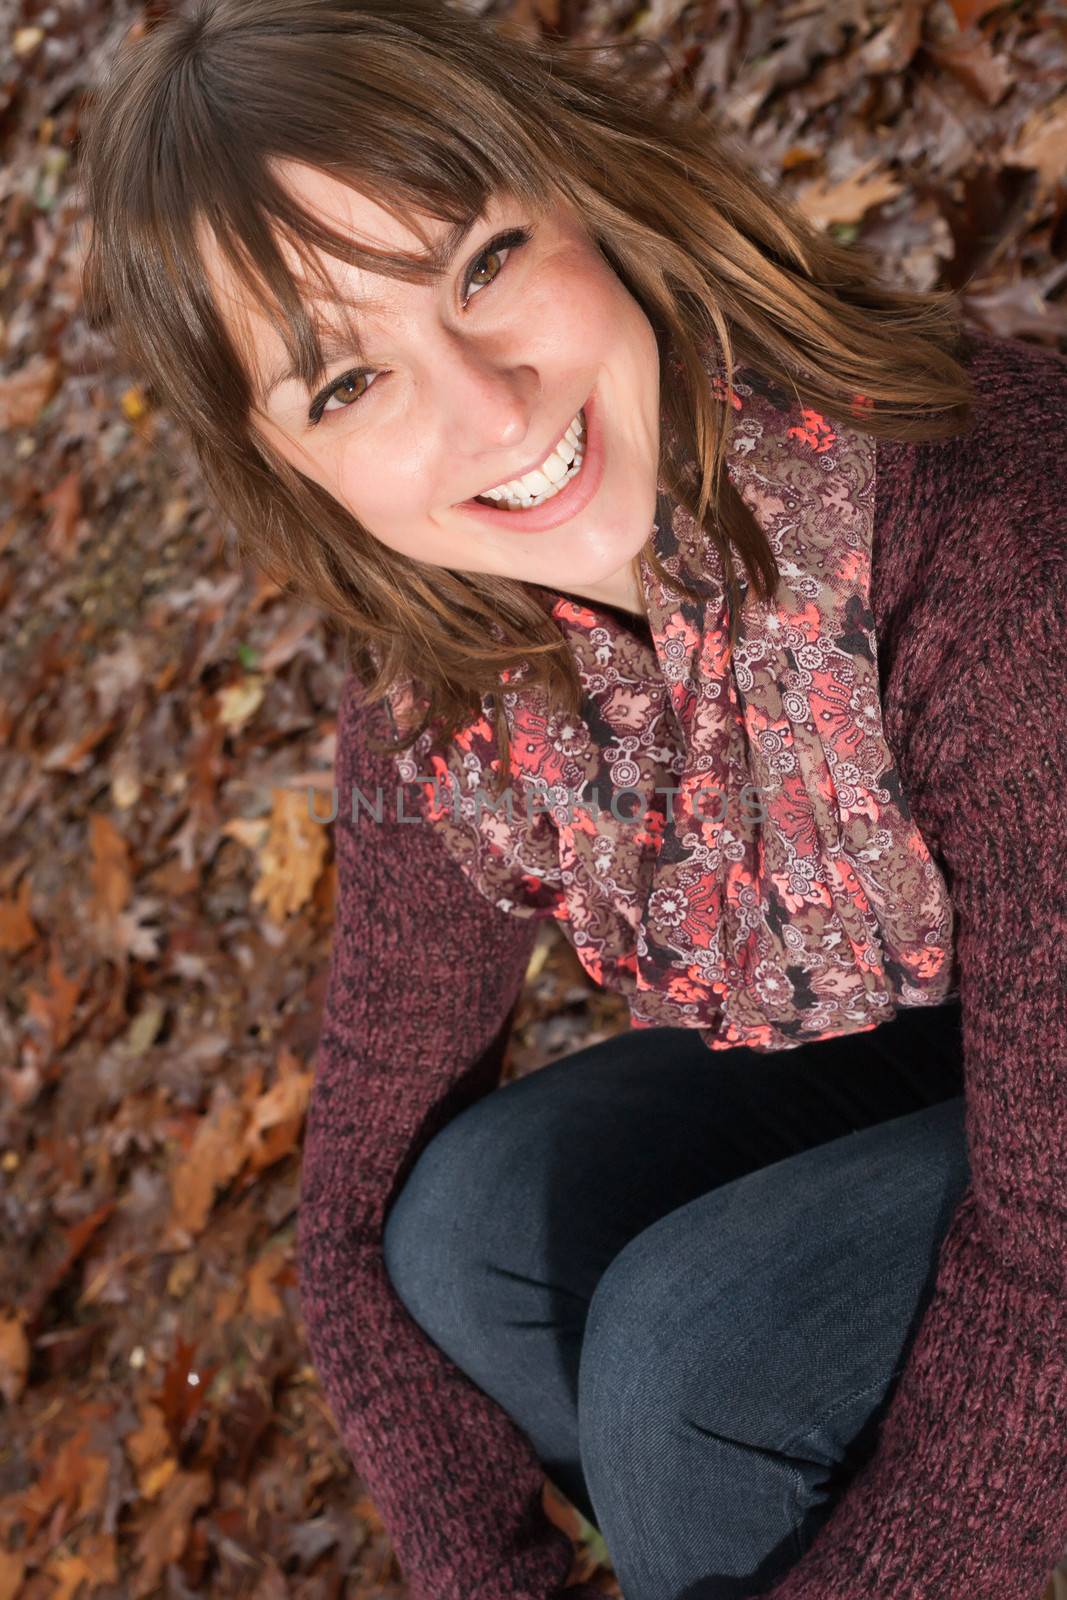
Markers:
point(623, 592)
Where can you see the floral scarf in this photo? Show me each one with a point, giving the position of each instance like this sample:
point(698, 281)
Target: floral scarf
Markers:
point(724, 840)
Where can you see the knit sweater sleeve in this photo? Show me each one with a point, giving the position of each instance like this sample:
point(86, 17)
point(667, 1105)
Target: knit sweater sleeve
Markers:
point(965, 1496)
point(424, 973)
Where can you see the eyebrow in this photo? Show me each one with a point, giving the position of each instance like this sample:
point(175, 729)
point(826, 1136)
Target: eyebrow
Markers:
point(337, 342)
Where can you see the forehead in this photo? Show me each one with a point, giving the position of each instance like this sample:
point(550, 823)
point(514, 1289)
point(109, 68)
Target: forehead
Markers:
point(345, 210)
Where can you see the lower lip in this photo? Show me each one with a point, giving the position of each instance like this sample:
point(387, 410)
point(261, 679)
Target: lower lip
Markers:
point(563, 506)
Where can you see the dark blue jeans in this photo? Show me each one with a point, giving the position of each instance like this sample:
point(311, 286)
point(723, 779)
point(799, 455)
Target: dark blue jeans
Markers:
point(692, 1277)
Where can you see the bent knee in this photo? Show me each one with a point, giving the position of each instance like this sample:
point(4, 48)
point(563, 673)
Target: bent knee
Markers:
point(469, 1206)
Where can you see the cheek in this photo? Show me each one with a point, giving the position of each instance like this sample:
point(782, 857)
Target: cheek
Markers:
point(573, 295)
point(611, 318)
point(386, 493)
point(602, 297)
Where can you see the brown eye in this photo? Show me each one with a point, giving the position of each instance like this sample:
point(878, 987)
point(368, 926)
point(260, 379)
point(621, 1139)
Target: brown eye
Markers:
point(346, 386)
point(488, 255)
point(499, 251)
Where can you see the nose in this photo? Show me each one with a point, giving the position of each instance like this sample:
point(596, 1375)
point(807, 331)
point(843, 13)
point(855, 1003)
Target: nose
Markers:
point(488, 404)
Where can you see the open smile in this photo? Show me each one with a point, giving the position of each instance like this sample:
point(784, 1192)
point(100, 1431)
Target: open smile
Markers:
point(556, 490)
point(562, 463)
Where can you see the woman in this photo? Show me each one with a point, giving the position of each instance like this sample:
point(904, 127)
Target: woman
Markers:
point(772, 1285)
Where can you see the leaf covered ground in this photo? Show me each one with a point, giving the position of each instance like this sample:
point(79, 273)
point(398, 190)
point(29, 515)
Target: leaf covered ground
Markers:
point(165, 899)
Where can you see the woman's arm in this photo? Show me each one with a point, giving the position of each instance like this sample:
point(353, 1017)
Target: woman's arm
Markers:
point(965, 1497)
point(424, 974)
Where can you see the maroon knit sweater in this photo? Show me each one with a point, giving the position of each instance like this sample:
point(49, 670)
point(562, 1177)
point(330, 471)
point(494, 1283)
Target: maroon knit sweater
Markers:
point(965, 1497)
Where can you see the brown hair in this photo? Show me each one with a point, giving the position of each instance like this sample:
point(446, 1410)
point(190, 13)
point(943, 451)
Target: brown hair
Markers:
point(424, 108)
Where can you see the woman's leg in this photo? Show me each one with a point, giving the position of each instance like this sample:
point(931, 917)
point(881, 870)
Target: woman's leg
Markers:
point(740, 1352)
point(513, 1213)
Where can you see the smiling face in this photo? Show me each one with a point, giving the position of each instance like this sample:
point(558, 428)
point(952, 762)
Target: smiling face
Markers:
point(467, 384)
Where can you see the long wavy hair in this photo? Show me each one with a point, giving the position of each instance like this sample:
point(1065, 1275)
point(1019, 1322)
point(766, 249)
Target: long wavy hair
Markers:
point(427, 109)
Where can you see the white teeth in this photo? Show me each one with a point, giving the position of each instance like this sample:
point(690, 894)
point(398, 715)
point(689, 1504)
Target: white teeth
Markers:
point(545, 481)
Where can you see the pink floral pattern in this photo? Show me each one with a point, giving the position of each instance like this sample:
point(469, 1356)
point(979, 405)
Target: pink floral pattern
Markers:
point(762, 879)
